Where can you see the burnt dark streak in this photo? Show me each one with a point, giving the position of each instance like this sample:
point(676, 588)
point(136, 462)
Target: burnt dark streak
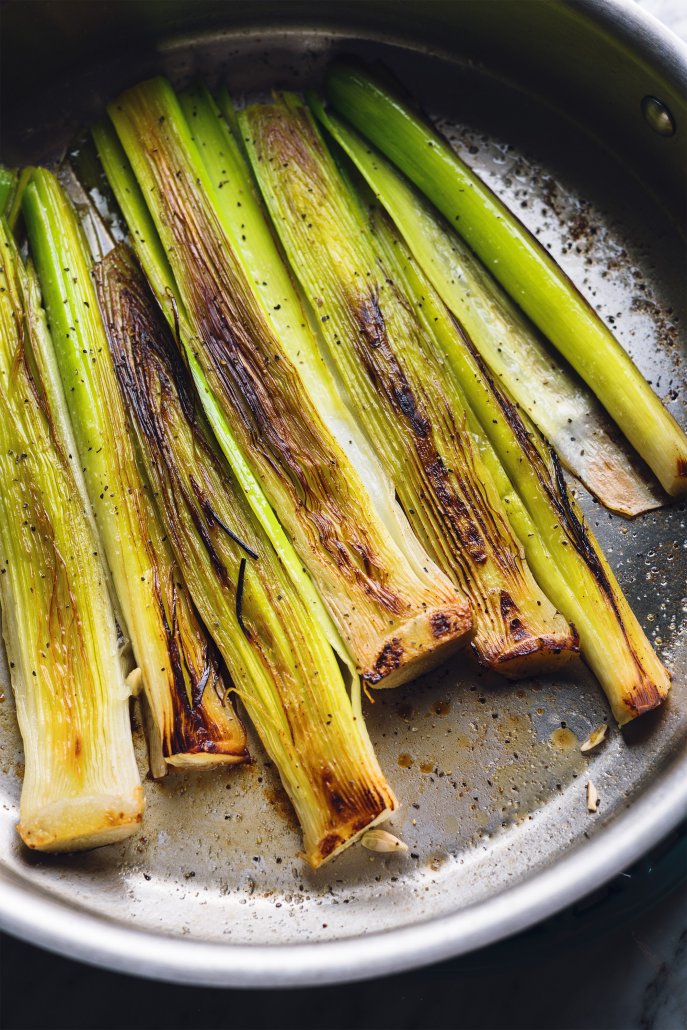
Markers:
point(239, 597)
point(259, 385)
point(146, 369)
point(388, 377)
point(466, 521)
point(214, 517)
point(549, 473)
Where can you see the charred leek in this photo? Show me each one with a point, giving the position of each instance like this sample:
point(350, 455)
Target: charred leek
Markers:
point(400, 390)
point(181, 669)
point(281, 663)
point(393, 608)
point(556, 400)
point(568, 562)
point(152, 258)
point(81, 785)
point(560, 547)
point(520, 263)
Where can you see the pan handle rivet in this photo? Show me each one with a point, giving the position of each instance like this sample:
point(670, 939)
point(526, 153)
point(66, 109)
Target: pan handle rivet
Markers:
point(658, 116)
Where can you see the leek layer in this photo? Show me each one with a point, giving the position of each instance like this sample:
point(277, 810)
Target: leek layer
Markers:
point(281, 663)
point(394, 610)
point(522, 266)
point(555, 399)
point(400, 390)
point(182, 671)
point(81, 785)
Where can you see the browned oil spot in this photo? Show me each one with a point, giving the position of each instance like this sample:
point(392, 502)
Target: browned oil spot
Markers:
point(563, 739)
point(427, 767)
point(405, 711)
point(436, 861)
point(329, 843)
point(513, 728)
point(405, 760)
point(441, 708)
point(279, 800)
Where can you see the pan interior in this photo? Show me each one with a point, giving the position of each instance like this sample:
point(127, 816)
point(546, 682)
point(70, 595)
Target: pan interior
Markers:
point(489, 773)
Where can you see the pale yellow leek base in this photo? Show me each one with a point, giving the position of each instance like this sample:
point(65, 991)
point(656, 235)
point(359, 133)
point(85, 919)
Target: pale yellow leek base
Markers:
point(78, 824)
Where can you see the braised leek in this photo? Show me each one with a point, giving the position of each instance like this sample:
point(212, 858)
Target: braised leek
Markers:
point(182, 672)
point(8, 184)
point(394, 610)
point(520, 263)
point(280, 661)
point(81, 785)
point(554, 398)
point(399, 389)
point(561, 549)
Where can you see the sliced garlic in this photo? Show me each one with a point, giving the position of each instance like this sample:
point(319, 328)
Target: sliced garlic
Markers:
point(380, 840)
point(592, 797)
point(595, 737)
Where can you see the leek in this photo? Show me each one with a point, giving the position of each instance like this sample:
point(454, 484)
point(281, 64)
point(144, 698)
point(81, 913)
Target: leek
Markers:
point(280, 661)
point(181, 670)
point(520, 263)
point(8, 184)
point(561, 549)
point(394, 610)
point(411, 408)
point(153, 260)
point(81, 785)
point(559, 404)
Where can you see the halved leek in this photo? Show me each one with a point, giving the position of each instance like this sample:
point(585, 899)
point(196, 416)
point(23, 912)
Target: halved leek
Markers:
point(556, 400)
point(81, 785)
point(395, 611)
point(181, 669)
point(280, 661)
point(520, 263)
point(152, 258)
point(561, 549)
point(400, 390)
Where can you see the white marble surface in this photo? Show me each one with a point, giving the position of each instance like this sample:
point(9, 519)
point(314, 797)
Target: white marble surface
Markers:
point(672, 13)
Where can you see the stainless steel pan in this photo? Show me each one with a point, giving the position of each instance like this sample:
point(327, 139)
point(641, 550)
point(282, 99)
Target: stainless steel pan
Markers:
point(548, 102)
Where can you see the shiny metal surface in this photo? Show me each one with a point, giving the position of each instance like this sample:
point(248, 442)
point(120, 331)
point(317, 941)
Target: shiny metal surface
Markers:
point(490, 773)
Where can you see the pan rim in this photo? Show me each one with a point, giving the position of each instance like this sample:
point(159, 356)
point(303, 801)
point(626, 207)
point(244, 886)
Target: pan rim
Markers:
point(99, 941)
